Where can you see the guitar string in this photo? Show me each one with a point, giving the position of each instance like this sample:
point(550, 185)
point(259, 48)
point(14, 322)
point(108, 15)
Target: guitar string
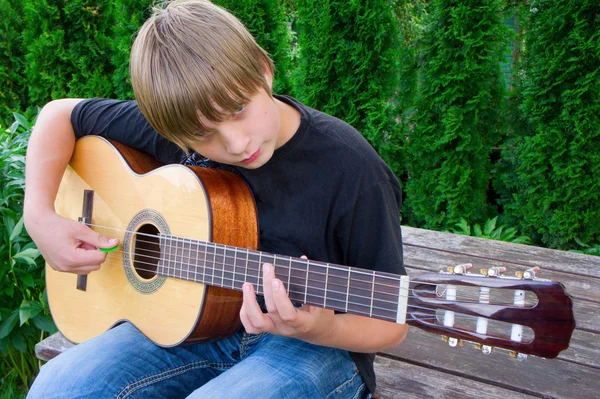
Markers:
point(409, 312)
point(463, 297)
point(394, 288)
point(230, 247)
point(260, 253)
point(257, 277)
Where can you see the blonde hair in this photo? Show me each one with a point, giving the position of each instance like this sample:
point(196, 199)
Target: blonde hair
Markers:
point(193, 57)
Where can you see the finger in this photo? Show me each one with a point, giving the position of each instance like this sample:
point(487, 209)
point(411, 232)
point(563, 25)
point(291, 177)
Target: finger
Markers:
point(248, 326)
point(98, 240)
point(256, 317)
point(268, 276)
point(286, 310)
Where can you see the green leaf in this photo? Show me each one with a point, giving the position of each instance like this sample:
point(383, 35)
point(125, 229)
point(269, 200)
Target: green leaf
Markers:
point(27, 280)
point(7, 325)
point(477, 231)
point(19, 343)
point(45, 323)
point(29, 310)
point(21, 120)
point(489, 226)
point(17, 230)
point(30, 253)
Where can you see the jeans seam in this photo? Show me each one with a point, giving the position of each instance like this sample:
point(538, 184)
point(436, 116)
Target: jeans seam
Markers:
point(247, 339)
point(144, 382)
point(341, 386)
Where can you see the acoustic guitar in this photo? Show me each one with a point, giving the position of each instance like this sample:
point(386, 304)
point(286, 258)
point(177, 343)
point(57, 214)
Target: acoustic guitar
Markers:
point(189, 239)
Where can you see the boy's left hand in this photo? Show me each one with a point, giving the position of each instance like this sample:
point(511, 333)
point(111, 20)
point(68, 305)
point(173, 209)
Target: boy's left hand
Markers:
point(309, 323)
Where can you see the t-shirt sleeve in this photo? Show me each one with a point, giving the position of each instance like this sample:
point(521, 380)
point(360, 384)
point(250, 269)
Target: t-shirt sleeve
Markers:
point(370, 231)
point(124, 122)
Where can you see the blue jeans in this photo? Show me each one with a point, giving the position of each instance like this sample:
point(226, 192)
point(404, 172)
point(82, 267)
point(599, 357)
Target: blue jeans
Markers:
point(123, 363)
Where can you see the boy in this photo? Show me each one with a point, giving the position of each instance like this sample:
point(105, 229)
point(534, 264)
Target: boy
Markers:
point(203, 83)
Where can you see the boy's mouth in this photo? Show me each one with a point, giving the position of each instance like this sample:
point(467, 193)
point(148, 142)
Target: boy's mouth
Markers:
point(252, 157)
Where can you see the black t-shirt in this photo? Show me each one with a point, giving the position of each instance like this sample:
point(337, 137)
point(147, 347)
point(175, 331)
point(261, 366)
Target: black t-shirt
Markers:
point(325, 193)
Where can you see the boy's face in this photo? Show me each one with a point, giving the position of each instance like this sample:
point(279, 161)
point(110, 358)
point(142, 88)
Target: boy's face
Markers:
point(249, 137)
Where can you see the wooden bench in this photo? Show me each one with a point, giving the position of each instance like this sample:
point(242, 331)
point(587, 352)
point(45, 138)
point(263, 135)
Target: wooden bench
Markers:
point(424, 366)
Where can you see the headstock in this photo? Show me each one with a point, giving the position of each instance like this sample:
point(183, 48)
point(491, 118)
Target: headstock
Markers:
point(523, 314)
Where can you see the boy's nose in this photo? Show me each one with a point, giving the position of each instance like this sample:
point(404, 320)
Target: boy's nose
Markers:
point(234, 141)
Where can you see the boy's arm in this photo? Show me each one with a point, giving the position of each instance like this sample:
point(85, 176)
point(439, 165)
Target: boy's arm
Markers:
point(65, 244)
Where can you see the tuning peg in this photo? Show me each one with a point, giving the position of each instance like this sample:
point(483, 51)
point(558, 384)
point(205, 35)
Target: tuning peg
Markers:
point(453, 342)
point(529, 274)
point(462, 268)
point(485, 349)
point(493, 271)
point(519, 356)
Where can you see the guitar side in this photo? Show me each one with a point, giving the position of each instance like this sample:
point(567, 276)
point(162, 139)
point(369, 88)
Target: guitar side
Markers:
point(130, 195)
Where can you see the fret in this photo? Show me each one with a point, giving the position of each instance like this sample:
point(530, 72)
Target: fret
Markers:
point(315, 283)
point(237, 264)
point(298, 277)
point(326, 281)
point(223, 270)
point(185, 259)
point(265, 258)
point(201, 262)
point(254, 262)
point(385, 299)
point(348, 291)
point(177, 271)
point(306, 282)
point(193, 262)
point(229, 267)
point(289, 275)
point(359, 292)
point(372, 294)
point(337, 288)
point(161, 257)
point(219, 259)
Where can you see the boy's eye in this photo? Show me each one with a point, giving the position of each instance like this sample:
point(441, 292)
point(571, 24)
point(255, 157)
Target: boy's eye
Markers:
point(239, 110)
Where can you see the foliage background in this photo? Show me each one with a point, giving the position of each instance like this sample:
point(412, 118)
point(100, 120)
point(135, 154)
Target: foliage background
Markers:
point(421, 79)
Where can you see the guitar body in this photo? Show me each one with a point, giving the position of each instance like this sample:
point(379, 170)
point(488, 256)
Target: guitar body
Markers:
point(132, 194)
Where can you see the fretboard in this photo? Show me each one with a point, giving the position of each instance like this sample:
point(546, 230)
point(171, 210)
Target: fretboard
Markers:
point(346, 289)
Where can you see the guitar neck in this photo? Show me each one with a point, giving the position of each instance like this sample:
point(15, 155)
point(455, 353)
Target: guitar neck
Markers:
point(351, 290)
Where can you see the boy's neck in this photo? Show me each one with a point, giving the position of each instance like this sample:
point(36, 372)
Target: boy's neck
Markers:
point(289, 122)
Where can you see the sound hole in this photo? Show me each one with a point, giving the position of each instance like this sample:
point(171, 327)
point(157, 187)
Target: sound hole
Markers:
point(147, 251)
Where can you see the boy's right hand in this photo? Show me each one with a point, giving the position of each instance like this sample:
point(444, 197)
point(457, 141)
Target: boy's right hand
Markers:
point(68, 246)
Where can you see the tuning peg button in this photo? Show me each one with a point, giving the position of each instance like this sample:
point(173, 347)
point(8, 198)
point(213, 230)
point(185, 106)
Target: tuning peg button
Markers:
point(519, 356)
point(462, 268)
point(529, 274)
point(496, 271)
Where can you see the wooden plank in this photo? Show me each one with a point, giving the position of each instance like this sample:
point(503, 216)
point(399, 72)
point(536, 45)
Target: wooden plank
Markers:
point(52, 346)
point(525, 255)
point(400, 380)
point(537, 377)
point(578, 286)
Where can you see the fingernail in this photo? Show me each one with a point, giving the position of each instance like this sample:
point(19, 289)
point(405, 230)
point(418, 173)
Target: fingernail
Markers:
point(275, 285)
point(113, 241)
point(246, 288)
point(267, 268)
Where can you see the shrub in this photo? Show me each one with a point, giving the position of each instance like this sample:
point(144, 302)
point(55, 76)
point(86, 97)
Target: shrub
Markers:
point(554, 190)
point(489, 231)
point(459, 112)
point(24, 309)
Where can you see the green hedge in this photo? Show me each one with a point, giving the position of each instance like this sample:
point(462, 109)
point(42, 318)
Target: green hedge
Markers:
point(348, 67)
point(554, 161)
point(459, 112)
